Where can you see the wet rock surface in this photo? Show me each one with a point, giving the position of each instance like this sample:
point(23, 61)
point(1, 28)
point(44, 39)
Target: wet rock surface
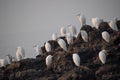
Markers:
point(63, 67)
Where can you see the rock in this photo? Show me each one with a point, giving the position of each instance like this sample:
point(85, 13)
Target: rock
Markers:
point(63, 67)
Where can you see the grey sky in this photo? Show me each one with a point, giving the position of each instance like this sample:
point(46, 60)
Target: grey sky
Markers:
point(28, 22)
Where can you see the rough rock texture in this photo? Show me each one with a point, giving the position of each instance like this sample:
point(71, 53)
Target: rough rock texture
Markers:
point(63, 67)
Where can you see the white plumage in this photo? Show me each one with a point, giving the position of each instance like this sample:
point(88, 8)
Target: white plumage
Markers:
point(9, 58)
point(38, 49)
point(20, 53)
point(96, 22)
point(49, 61)
point(102, 56)
point(113, 25)
point(72, 29)
point(76, 59)
point(69, 38)
point(3, 62)
point(62, 31)
point(62, 44)
point(54, 36)
point(47, 47)
point(82, 19)
point(84, 35)
point(106, 36)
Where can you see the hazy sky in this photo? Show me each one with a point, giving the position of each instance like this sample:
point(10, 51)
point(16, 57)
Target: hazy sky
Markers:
point(27, 22)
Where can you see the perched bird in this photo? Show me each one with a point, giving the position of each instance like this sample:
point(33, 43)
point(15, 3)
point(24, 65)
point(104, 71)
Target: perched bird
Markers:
point(82, 19)
point(106, 36)
point(113, 25)
point(9, 58)
point(48, 47)
point(20, 53)
point(96, 22)
point(102, 56)
point(69, 38)
point(49, 61)
point(63, 31)
point(62, 44)
point(72, 30)
point(76, 59)
point(54, 36)
point(38, 49)
point(3, 62)
point(84, 35)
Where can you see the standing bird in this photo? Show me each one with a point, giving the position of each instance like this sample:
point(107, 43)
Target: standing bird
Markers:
point(113, 25)
point(76, 59)
point(48, 47)
point(84, 35)
point(82, 19)
point(62, 44)
point(54, 36)
point(38, 49)
point(9, 58)
point(102, 56)
point(20, 53)
point(96, 22)
point(49, 61)
point(63, 31)
point(106, 36)
point(72, 30)
point(69, 38)
point(3, 62)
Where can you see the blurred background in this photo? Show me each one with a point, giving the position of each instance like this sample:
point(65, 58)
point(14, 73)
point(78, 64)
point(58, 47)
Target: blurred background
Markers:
point(28, 22)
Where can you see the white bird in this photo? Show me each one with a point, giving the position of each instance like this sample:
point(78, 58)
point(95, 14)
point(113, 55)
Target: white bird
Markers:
point(20, 53)
point(49, 61)
point(69, 38)
point(62, 44)
point(93, 20)
point(3, 62)
point(9, 58)
point(54, 36)
point(106, 36)
point(113, 25)
point(102, 56)
point(47, 47)
point(84, 35)
point(82, 19)
point(72, 30)
point(96, 22)
point(38, 49)
point(63, 31)
point(76, 59)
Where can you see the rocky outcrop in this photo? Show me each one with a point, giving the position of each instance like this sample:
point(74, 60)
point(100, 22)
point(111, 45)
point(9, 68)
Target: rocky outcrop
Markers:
point(63, 67)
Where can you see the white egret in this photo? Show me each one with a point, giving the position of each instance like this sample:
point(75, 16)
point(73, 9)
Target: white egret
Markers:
point(76, 59)
point(106, 36)
point(84, 35)
point(47, 47)
point(82, 19)
point(54, 36)
point(20, 53)
point(102, 56)
point(3, 62)
point(49, 61)
point(38, 49)
point(72, 30)
point(69, 38)
point(62, 44)
point(9, 58)
point(113, 25)
point(63, 31)
point(96, 22)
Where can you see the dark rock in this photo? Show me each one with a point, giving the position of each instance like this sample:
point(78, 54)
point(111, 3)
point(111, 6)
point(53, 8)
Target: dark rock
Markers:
point(63, 67)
